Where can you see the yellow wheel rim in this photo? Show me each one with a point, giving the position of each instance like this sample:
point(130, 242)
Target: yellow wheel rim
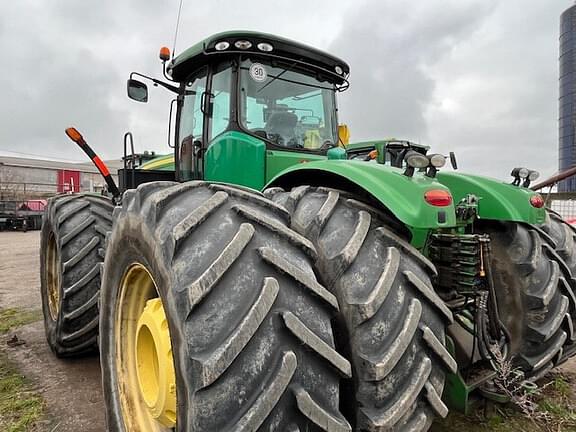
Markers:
point(144, 363)
point(53, 277)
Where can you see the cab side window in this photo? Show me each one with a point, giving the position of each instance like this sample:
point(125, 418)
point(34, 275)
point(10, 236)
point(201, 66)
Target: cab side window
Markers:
point(221, 83)
point(192, 117)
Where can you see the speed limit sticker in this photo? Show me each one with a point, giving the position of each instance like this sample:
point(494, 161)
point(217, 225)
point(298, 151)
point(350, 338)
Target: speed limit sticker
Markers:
point(258, 72)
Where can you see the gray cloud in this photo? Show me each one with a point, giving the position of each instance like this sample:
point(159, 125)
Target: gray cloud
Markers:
point(51, 83)
point(497, 99)
point(69, 62)
point(390, 48)
point(478, 77)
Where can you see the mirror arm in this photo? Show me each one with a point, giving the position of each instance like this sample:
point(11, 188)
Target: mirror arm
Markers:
point(167, 86)
point(165, 72)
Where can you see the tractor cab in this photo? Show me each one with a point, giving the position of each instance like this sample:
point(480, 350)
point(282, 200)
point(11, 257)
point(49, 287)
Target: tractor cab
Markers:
point(250, 105)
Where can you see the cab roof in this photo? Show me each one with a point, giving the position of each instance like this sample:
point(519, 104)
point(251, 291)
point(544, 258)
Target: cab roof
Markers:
point(286, 49)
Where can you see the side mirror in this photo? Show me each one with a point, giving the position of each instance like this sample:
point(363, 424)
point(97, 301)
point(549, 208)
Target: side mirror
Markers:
point(137, 90)
point(453, 161)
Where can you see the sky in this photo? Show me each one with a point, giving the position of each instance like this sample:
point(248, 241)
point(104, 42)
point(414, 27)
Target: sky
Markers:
point(477, 77)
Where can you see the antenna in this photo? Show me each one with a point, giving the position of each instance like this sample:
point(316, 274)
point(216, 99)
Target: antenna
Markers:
point(177, 27)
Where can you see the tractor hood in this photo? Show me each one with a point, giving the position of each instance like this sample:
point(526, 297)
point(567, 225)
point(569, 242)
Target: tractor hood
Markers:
point(163, 162)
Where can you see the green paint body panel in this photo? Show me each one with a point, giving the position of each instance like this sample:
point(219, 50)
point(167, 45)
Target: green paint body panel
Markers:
point(203, 52)
point(199, 48)
point(364, 145)
point(337, 153)
point(163, 163)
point(456, 393)
point(402, 195)
point(498, 200)
point(278, 161)
point(237, 158)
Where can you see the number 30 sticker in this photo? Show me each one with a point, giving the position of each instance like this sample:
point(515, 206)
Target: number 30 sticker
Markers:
point(258, 72)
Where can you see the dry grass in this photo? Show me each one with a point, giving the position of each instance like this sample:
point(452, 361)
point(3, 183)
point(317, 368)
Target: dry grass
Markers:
point(20, 406)
point(554, 410)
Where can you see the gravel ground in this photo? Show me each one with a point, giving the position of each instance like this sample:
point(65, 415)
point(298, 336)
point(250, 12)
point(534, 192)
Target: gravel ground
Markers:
point(71, 388)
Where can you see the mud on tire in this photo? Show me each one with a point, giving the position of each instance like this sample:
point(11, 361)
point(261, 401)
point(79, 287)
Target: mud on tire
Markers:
point(72, 239)
point(392, 323)
point(534, 297)
point(250, 325)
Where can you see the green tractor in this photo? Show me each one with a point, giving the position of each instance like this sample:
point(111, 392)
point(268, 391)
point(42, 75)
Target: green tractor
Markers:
point(363, 289)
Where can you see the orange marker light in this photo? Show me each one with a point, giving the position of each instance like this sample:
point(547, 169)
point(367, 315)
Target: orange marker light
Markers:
point(164, 53)
point(74, 135)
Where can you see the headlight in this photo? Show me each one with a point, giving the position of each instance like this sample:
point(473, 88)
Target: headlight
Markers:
point(416, 160)
point(338, 70)
point(221, 46)
point(523, 172)
point(264, 46)
point(437, 160)
point(533, 175)
point(243, 44)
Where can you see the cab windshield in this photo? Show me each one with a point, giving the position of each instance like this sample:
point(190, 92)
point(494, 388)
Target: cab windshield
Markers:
point(286, 107)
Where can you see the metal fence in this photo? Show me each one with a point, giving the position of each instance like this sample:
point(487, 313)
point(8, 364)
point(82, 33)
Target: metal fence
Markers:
point(21, 191)
point(563, 203)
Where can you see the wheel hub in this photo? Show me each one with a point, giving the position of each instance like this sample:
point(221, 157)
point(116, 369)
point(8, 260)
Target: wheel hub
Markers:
point(53, 278)
point(155, 367)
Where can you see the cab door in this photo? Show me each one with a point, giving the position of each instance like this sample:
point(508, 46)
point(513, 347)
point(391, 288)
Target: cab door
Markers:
point(231, 155)
point(191, 122)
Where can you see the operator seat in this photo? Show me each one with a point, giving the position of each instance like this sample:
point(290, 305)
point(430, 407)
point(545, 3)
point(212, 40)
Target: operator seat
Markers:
point(280, 128)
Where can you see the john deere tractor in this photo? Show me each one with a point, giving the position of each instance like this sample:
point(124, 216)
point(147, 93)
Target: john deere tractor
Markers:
point(364, 289)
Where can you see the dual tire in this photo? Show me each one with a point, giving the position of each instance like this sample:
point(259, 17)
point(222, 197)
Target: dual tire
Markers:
point(71, 254)
point(392, 324)
point(560, 240)
point(280, 320)
point(308, 299)
point(535, 298)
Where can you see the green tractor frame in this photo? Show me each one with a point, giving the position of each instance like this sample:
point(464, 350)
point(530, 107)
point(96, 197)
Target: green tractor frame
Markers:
point(270, 275)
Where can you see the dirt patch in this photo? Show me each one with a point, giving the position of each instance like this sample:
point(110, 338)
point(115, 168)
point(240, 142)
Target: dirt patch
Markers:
point(556, 411)
point(19, 275)
point(71, 388)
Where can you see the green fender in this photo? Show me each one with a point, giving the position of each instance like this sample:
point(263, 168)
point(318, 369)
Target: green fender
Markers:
point(403, 196)
point(497, 200)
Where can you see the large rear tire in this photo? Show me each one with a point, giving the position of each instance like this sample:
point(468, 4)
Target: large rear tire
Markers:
point(564, 236)
point(71, 253)
point(561, 246)
point(533, 297)
point(249, 326)
point(392, 322)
